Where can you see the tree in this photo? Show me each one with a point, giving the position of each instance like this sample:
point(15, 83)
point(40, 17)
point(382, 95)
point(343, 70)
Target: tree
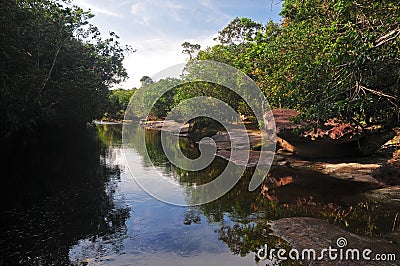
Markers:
point(160, 106)
point(55, 67)
point(118, 102)
point(239, 30)
point(345, 57)
point(146, 81)
point(190, 49)
point(235, 39)
point(327, 59)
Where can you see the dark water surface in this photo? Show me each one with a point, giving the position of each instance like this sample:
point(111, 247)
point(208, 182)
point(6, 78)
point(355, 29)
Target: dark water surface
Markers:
point(71, 199)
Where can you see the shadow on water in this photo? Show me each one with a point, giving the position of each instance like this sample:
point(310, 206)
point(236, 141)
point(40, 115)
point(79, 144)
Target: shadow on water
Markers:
point(243, 216)
point(55, 191)
point(62, 198)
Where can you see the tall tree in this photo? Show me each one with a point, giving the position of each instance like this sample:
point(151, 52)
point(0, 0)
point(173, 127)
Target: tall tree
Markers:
point(327, 59)
point(55, 66)
point(344, 59)
point(239, 30)
point(190, 49)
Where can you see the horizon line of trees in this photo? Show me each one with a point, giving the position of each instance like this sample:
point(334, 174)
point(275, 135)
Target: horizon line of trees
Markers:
point(326, 59)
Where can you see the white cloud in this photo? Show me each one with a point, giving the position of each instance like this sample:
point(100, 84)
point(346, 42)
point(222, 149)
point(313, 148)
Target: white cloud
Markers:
point(139, 10)
point(157, 54)
point(172, 5)
point(97, 9)
point(157, 28)
point(136, 8)
point(205, 3)
point(147, 10)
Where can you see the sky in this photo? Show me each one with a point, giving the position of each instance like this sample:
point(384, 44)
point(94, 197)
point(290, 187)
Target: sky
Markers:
point(157, 28)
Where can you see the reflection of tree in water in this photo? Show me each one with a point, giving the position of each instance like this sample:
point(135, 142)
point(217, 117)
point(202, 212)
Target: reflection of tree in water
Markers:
point(149, 141)
point(244, 215)
point(56, 191)
point(243, 238)
point(110, 134)
point(286, 192)
point(192, 216)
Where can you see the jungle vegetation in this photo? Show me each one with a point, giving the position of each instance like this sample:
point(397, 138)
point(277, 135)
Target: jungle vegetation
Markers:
point(326, 59)
point(56, 68)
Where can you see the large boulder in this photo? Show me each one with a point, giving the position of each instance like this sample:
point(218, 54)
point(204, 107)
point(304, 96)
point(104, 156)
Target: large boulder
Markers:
point(334, 140)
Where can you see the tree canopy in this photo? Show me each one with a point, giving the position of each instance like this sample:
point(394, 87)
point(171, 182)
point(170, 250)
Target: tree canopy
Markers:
point(118, 101)
point(55, 67)
point(327, 59)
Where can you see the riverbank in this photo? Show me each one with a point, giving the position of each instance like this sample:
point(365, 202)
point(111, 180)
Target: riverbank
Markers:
point(305, 233)
point(107, 122)
point(337, 186)
point(381, 168)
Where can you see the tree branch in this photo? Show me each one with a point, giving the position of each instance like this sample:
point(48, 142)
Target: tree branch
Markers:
point(384, 39)
point(379, 93)
point(52, 66)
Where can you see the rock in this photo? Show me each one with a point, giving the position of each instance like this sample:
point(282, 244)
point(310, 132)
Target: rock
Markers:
point(389, 172)
point(240, 159)
point(388, 195)
point(312, 233)
point(332, 140)
point(325, 147)
point(282, 118)
point(355, 169)
point(167, 125)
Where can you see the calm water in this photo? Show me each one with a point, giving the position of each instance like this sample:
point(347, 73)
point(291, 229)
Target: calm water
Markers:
point(71, 199)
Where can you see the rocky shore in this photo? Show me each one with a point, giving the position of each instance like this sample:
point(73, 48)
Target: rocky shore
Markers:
point(378, 174)
point(316, 234)
point(381, 168)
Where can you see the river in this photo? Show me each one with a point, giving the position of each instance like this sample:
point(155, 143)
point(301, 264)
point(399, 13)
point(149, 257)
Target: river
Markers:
point(72, 200)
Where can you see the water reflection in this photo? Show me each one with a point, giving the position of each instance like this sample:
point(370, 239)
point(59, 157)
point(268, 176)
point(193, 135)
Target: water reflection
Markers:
point(56, 191)
point(71, 198)
point(286, 192)
point(242, 216)
point(157, 233)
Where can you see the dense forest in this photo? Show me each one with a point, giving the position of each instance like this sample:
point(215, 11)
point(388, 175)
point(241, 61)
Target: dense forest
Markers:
point(326, 59)
point(330, 60)
point(56, 68)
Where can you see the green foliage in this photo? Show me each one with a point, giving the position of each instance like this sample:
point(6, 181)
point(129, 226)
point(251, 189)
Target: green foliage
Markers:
point(239, 30)
point(118, 102)
point(55, 67)
point(166, 102)
point(327, 59)
point(190, 49)
point(196, 89)
point(158, 97)
point(345, 57)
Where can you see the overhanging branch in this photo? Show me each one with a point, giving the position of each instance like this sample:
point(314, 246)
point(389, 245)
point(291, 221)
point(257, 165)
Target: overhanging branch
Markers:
point(384, 39)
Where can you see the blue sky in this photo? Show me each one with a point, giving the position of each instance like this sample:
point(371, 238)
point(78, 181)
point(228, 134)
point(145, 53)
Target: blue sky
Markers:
point(157, 28)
